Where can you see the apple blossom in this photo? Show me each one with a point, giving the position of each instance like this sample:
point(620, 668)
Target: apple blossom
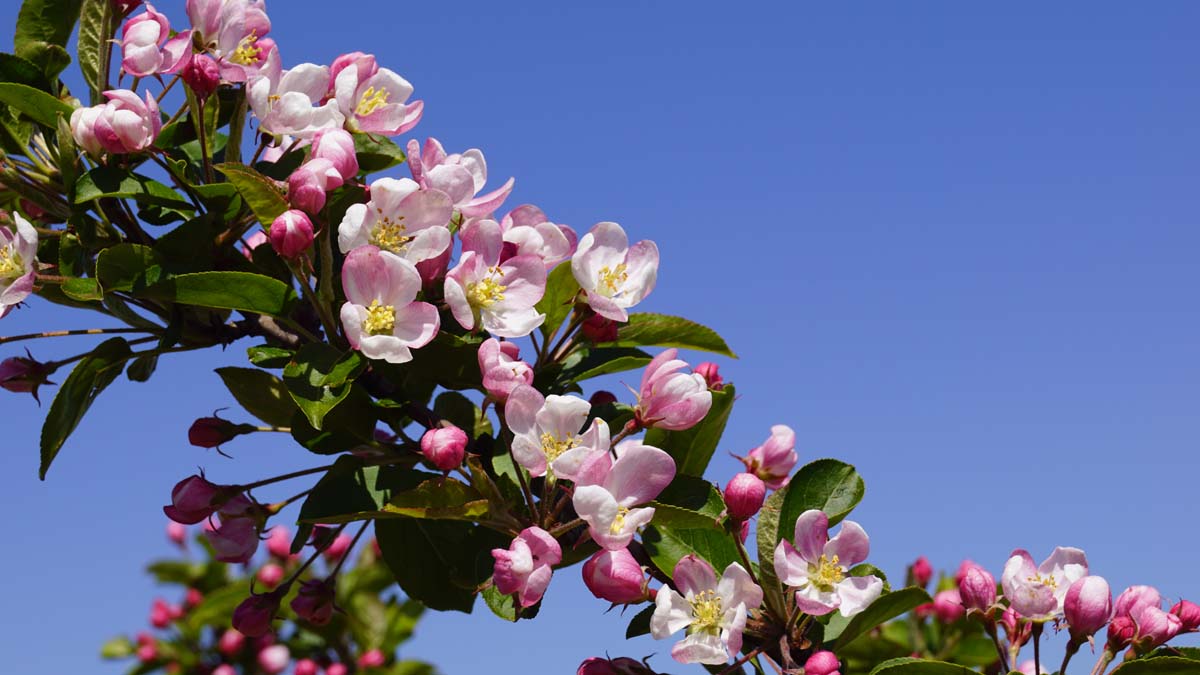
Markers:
point(147, 653)
point(291, 234)
point(921, 572)
point(444, 447)
point(712, 611)
point(614, 275)
point(373, 99)
point(125, 123)
point(270, 575)
point(818, 566)
point(498, 296)
point(502, 369)
point(235, 32)
point(372, 658)
point(1038, 592)
point(83, 129)
point(274, 659)
point(774, 459)
point(253, 616)
point(615, 576)
point(1132, 599)
point(24, 374)
point(977, 588)
point(400, 218)
point(1016, 628)
point(338, 548)
point(279, 542)
point(1121, 631)
point(147, 47)
point(1189, 615)
point(336, 146)
point(525, 567)
point(669, 399)
point(599, 329)
point(527, 230)
point(202, 75)
point(1154, 627)
point(608, 491)
point(1087, 606)
point(308, 184)
point(232, 640)
point(381, 317)
point(289, 102)
point(177, 533)
point(193, 499)
point(948, 606)
point(822, 663)
point(461, 176)
point(744, 495)
point(546, 432)
point(314, 601)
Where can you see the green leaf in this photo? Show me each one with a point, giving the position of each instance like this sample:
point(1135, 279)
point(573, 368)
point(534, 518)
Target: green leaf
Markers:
point(227, 290)
point(439, 562)
point(559, 299)
point(90, 377)
point(911, 666)
point(826, 484)
point(37, 105)
point(16, 69)
point(344, 493)
point(260, 393)
point(126, 267)
point(462, 413)
point(347, 427)
point(319, 378)
point(261, 194)
point(885, 608)
point(110, 181)
point(591, 363)
point(376, 153)
point(266, 356)
point(768, 538)
point(82, 289)
point(661, 330)
point(44, 21)
point(1159, 665)
point(666, 545)
point(117, 648)
point(689, 502)
point(438, 498)
point(640, 623)
point(693, 448)
point(97, 25)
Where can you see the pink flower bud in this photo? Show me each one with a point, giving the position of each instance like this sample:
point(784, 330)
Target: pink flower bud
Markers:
point(921, 572)
point(1015, 627)
point(964, 567)
point(192, 598)
point(372, 658)
point(622, 665)
point(22, 375)
point(279, 542)
point(1131, 601)
point(615, 576)
point(433, 270)
point(274, 659)
point(744, 495)
point(1189, 615)
point(444, 447)
point(160, 613)
point(177, 533)
point(147, 653)
point(502, 369)
point(306, 667)
point(1121, 631)
point(336, 669)
point(336, 146)
point(211, 432)
point(291, 234)
point(602, 397)
point(1154, 627)
point(773, 460)
point(308, 184)
point(235, 540)
point(948, 606)
point(122, 125)
point(224, 669)
point(231, 642)
point(744, 531)
point(821, 663)
point(599, 329)
point(976, 587)
point(201, 75)
point(253, 616)
point(1088, 606)
point(314, 602)
point(270, 575)
point(338, 548)
point(670, 399)
point(711, 374)
point(192, 500)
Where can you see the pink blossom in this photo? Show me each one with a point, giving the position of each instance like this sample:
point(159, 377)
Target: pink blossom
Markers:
point(502, 369)
point(202, 75)
point(193, 499)
point(177, 533)
point(921, 572)
point(338, 548)
point(711, 374)
point(18, 263)
point(614, 275)
point(547, 432)
point(381, 317)
point(462, 176)
point(234, 540)
point(147, 46)
point(1038, 592)
point(400, 218)
point(374, 99)
point(526, 565)
point(444, 447)
point(977, 588)
point(1087, 606)
point(948, 606)
point(306, 667)
point(774, 459)
point(274, 659)
point(527, 231)
point(712, 611)
point(289, 102)
point(336, 146)
point(279, 542)
point(336, 669)
point(124, 124)
point(622, 665)
point(314, 602)
point(497, 295)
point(1154, 627)
point(1016, 628)
point(1121, 631)
point(615, 576)
point(599, 329)
point(372, 658)
point(822, 663)
point(1189, 615)
point(308, 184)
point(670, 399)
point(291, 234)
point(235, 32)
point(818, 566)
point(1134, 598)
point(270, 575)
point(258, 238)
point(161, 613)
point(744, 495)
point(608, 492)
point(231, 641)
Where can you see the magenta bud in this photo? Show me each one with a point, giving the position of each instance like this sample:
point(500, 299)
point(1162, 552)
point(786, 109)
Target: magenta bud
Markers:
point(193, 499)
point(177, 533)
point(253, 617)
point(744, 495)
point(211, 432)
point(338, 547)
point(711, 374)
point(336, 669)
point(1189, 615)
point(274, 659)
point(615, 576)
point(922, 572)
point(231, 642)
point(948, 606)
point(433, 270)
point(22, 375)
point(744, 531)
point(291, 234)
point(192, 598)
point(147, 653)
point(976, 587)
point(336, 146)
point(308, 184)
point(599, 329)
point(270, 575)
point(1088, 606)
point(160, 613)
point(1121, 631)
point(306, 667)
point(201, 75)
point(444, 447)
point(1154, 627)
point(602, 397)
point(622, 665)
point(314, 601)
point(279, 542)
point(1131, 601)
point(821, 663)
point(372, 658)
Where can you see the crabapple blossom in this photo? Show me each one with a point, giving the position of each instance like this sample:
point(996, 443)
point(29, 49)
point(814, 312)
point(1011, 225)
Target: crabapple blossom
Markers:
point(526, 565)
point(336, 669)
point(234, 31)
point(232, 640)
point(1087, 606)
point(400, 218)
point(822, 663)
point(279, 542)
point(306, 667)
point(193, 499)
point(381, 317)
point(23, 374)
point(711, 374)
point(1189, 615)
point(235, 539)
point(1154, 627)
point(977, 588)
point(373, 99)
point(712, 611)
point(147, 47)
point(336, 146)
point(669, 399)
point(1015, 627)
point(546, 432)
point(202, 75)
point(274, 659)
point(18, 263)
point(922, 572)
point(461, 176)
point(614, 275)
point(123, 125)
point(291, 234)
point(372, 658)
point(502, 369)
point(270, 575)
point(744, 495)
point(289, 102)
point(818, 566)
point(444, 447)
point(774, 459)
point(1038, 592)
point(1121, 631)
point(948, 606)
point(211, 432)
point(308, 184)
point(527, 231)
point(608, 491)
point(615, 576)
point(253, 617)
point(498, 296)
point(338, 547)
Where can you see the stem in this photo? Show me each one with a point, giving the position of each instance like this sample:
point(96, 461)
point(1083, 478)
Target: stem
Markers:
point(566, 527)
point(741, 548)
point(202, 133)
point(168, 88)
point(1106, 658)
point(279, 506)
point(990, 627)
point(318, 306)
point(1037, 648)
point(325, 289)
point(533, 510)
point(55, 365)
point(64, 333)
point(1072, 647)
point(286, 476)
point(576, 321)
point(738, 664)
point(631, 427)
point(343, 559)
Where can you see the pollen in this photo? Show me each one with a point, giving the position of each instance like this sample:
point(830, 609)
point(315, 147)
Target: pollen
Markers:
point(381, 319)
point(11, 265)
point(247, 53)
point(486, 292)
point(610, 279)
point(372, 99)
point(390, 234)
point(553, 446)
point(706, 613)
point(618, 523)
point(826, 572)
point(1047, 580)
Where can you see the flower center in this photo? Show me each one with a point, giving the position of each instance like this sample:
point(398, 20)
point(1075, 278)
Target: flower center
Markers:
point(372, 99)
point(11, 265)
point(826, 573)
point(706, 613)
point(388, 233)
point(486, 292)
point(247, 53)
point(609, 280)
point(381, 319)
point(1048, 580)
point(553, 447)
point(618, 523)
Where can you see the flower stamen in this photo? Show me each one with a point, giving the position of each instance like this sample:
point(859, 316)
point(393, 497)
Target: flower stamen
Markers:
point(381, 319)
point(372, 99)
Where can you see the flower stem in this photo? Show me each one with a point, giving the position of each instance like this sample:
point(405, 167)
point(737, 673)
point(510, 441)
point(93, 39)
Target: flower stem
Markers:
point(738, 664)
point(1037, 648)
point(64, 333)
point(566, 527)
point(741, 548)
point(990, 627)
point(1072, 647)
point(1106, 658)
point(286, 476)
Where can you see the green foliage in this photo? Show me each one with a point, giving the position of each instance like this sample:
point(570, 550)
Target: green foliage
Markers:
point(693, 448)
point(97, 25)
point(826, 484)
point(43, 28)
point(37, 105)
point(319, 377)
point(345, 493)
point(661, 330)
point(87, 380)
point(227, 290)
point(438, 498)
point(261, 194)
point(113, 182)
point(556, 304)
point(887, 607)
point(640, 623)
point(376, 153)
point(128, 267)
point(1159, 665)
point(911, 666)
point(260, 393)
point(666, 545)
point(439, 562)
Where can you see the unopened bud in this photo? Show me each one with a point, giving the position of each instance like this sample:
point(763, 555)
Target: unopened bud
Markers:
point(976, 587)
point(253, 617)
point(274, 659)
point(201, 75)
point(821, 663)
point(270, 575)
point(1088, 606)
point(922, 572)
point(372, 658)
point(1189, 615)
point(24, 374)
point(211, 432)
point(291, 234)
point(711, 374)
point(444, 447)
point(744, 495)
point(599, 329)
point(314, 602)
point(615, 576)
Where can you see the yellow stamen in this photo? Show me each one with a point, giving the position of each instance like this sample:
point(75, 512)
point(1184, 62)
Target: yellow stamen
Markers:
point(486, 292)
point(618, 523)
point(247, 53)
point(372, 99)
point(381, 319)
point(826, 573)
point(610, 279)
point(706, 613)
point(552, 446)
point(11, 265)
point(389, 234)
point(1047, 580)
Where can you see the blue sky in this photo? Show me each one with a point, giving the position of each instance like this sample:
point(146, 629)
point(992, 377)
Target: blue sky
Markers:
point(955, 247)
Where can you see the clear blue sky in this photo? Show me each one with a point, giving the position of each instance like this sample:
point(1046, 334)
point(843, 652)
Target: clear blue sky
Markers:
point(956, 247)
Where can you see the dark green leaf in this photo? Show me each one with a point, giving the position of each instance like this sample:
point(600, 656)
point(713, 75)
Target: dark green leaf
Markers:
point(142, 368)
point(376, 153)
point(319, 378)
point(661, 330)
point(90, 377)
point(640, 623)
point(109, 181)
point(260, 393)
point(227, 290)
point(557, 303)
point(591, 363)
point(1161, 665)
point(44, 21)
point(20, 71)
point(37, 105)
point(911, 666)
point(348, 426)
point(885, 608)
point(438, 498)
point(344, 492)
point(666, 545)
point(52, 59)
point(261, 194)
point(768, 538)
point(439, 562)
point(97, 25)
point(126, 267)
point(688, 502)
point(462, 413)
point(826, 484)
point(265, 356)
point(693, 448)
